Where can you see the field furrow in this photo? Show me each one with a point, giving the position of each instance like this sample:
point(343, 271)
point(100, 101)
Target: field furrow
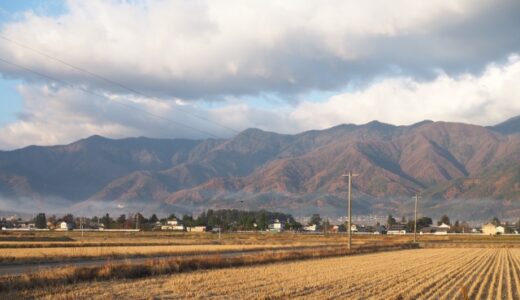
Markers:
point(487, 284)
point(476, 277)
point(515, 270)
point(437, 274)
point(459, 278)
point(480, 273)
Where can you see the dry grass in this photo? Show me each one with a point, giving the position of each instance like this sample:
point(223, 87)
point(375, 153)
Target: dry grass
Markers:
point(45, 239)
point(32, 255)
point(411, 274)
point(70, 275)
point(148, 244)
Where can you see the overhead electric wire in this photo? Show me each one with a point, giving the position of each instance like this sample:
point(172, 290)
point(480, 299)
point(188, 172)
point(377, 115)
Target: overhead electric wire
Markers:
point(120, 85)
point(102, 96)
point(113, 82)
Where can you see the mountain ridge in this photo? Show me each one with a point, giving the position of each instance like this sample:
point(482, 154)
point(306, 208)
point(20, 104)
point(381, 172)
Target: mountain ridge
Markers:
point(297, 173)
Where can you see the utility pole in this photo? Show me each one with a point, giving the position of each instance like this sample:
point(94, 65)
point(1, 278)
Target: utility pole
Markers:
point(417, 196)
point(349, 175)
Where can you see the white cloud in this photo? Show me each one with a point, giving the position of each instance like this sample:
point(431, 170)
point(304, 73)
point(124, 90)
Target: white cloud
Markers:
point(486, 100)
point(408, 61)
point(61, 115)
point(207, 49)
point(57, 115)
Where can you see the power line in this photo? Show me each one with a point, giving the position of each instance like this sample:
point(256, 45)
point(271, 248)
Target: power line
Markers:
point(120, 85)
point(103, 97)
point(113, 82)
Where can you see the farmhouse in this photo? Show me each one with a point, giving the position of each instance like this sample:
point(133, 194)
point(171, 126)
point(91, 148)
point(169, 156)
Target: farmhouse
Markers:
point(442, 229)
point(173, 224)
point(489, 229)
point(397, 229)
point(312, 228)
point(197, 229)
point(500, 229)
point(277, 226)
point(66, 226)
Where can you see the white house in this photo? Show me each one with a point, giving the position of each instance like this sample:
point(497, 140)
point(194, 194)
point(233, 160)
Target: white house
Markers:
point(172, 222)
point(173, 225)
point(197, 229)
point(500, 229)
point(277, 226)
point(65, 226)
point(397, 229)
point(489, 229)
point(443, 225)
point(312, 228)
point(441, 229)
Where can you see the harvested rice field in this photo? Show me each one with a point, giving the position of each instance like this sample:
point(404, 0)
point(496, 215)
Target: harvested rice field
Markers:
point(453, 273)
point(14, 255)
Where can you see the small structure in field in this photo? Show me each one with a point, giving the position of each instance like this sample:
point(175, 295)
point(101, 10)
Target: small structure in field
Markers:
point(476, 230)
point(310, 228)
point(442, 229)
point(173, 224)
point(51, 225)
point(500, 229)
point(197, 229)
point(397, 229)
point(66, 226)
point(489, 229)
point(277, 226)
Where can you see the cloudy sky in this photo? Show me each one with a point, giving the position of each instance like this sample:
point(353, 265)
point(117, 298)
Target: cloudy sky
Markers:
point(199, 69)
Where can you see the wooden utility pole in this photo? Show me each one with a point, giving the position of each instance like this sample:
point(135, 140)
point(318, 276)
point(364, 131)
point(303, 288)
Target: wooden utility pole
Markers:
point(349, 175)
point(417, 196)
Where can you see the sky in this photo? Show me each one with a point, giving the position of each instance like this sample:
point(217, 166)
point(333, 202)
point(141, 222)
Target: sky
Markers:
point(199, 69)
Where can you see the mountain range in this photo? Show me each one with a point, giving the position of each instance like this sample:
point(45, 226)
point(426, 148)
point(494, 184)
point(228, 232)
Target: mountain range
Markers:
point(466, 171)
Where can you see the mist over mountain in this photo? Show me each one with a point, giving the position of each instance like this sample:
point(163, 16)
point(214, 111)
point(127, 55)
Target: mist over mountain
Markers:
point(464, 170)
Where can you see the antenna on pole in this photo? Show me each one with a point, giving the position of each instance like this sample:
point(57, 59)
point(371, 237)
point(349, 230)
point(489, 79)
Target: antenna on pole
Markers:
point(349, 175)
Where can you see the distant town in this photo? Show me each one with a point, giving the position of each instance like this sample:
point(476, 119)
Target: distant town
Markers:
point(232, 220)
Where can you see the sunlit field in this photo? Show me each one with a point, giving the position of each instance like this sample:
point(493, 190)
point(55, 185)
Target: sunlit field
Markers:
point(409, 274)
point(57, 246)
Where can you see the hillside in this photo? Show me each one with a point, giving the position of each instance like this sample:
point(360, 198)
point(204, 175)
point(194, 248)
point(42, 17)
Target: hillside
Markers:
point(452, 163)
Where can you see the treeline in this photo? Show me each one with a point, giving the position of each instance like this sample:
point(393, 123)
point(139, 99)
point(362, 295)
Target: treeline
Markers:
point(455, 227)
point(226, 219)
point(233, 219)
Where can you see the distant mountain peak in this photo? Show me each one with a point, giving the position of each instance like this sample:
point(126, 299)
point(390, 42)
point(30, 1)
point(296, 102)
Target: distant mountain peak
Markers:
point(377, 123)
point(421, 123)
point(300, 172)
point(510, 126)
point(96, 137)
